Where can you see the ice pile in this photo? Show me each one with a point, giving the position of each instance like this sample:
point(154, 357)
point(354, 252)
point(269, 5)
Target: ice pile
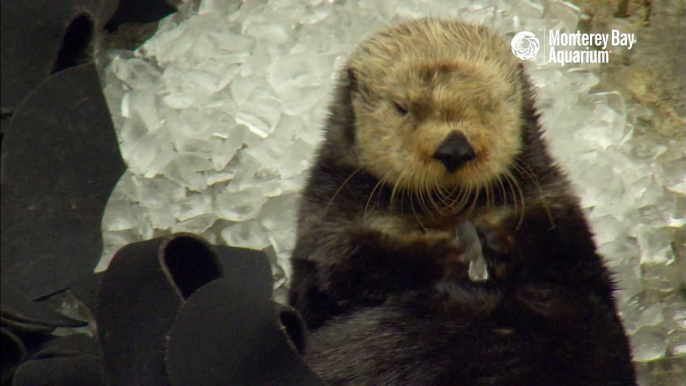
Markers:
point(218, 115)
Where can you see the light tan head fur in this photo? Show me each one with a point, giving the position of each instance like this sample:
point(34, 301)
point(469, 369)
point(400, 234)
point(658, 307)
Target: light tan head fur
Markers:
point(447, 76)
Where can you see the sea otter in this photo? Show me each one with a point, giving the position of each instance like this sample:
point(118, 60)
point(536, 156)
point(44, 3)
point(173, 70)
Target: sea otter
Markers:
point(433, 124)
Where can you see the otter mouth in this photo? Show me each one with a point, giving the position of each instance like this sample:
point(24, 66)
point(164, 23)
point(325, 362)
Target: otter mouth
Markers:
point(454, 152)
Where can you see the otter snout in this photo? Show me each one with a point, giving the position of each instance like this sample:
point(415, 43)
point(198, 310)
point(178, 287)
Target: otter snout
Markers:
point(454, 151)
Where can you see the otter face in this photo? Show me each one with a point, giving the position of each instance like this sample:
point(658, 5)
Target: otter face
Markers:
point(433, 115)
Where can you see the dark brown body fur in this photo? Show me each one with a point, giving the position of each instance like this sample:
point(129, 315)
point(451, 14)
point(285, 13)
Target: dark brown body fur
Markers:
point(384, 311)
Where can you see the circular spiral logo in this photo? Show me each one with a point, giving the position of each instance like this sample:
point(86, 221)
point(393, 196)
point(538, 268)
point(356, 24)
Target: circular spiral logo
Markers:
point(525, 45)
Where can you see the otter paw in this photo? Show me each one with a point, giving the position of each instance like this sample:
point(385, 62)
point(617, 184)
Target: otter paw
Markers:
point(495, 239)
point(498, 248)
point(450, 255)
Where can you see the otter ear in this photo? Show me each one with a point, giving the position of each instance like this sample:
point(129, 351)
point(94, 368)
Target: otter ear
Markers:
point(355, 85)
point(352, 79)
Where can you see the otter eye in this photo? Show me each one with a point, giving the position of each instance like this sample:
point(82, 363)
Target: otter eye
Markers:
point(399, 109)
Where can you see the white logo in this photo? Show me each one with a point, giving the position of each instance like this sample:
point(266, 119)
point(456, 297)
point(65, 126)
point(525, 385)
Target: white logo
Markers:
point(525, 45)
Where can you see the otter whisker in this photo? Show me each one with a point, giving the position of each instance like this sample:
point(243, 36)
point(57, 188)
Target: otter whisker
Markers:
point(502, 190)
point(463, 198)
point(475, 200)
point(404, 190)
point(381, 181)
point(442, 197)
point(487, 190)
point(340, 188)
point(394, 191)
point(398, 188)
point(521, 195)
point(412, 206)
point(524, 167)
point(512, 190)
point(430, 195)
point(422, 199)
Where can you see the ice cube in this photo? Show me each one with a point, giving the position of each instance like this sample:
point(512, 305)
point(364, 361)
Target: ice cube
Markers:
point(136, 73)
point(292, 72)
point(192, 206)
point(162, 218)
point(282, 186)
point(676, 343)
point(188, 88)
point(218, 7)
point(607, 229)
point(241, 88)
point(269, 33)
point(196, 225)
point(317, 14)
point(225, 149)
point(222, 67)
point(158, 192)
point(566, 13)
point(260, 112)
point(187, 169)
point(648, 344)
point(280, 213)
point(120, 215)
point(239, 206)
point(296, 160)
point(248, 234)
point(655, 245)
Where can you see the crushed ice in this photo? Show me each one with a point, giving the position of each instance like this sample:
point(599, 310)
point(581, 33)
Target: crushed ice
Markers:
point(219, 112)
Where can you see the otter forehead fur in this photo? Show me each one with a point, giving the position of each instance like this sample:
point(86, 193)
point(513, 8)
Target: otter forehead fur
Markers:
point(432, 124)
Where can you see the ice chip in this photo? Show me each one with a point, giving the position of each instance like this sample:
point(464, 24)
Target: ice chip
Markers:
point(296, 159)
point(468, 238)
point(225, 149)
point(260, 113)
point(239, 206)
point(655, 245)
point(269, 33)
point(135, 73)
point(158, 192)
point(648, 343)
point(247, 234)
point(241, 88)
point(187, 169)
point(292, 72)
point(196, 225)
point(676, 343)
point(120, 215)
point(317, 14)
point(144, 103)
point(566, 13)
point(188, 88)
point(148, 154)
point(279, 187)
point(162, 218)
point(192, 206)
point(218, 7)
point(279, 213)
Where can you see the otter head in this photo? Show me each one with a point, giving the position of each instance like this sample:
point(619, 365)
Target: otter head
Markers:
point(436, 106)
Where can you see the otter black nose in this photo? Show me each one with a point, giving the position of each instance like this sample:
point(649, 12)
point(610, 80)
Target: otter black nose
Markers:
point(454, 152)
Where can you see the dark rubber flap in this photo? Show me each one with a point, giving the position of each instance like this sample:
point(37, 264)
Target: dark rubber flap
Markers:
point(22, 313)
point(226, 335)
point(60, 162)
point(140, 295)
point(73, 360)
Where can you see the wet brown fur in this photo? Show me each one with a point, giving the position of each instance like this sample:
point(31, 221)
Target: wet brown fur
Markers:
point(377, 272)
